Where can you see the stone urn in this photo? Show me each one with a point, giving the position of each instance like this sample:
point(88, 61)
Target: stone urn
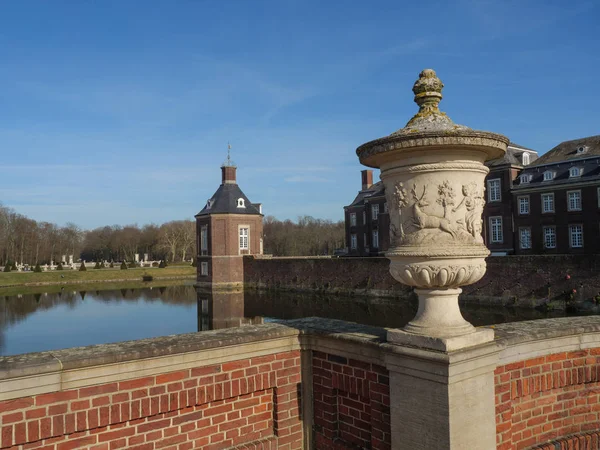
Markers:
point(433, 171)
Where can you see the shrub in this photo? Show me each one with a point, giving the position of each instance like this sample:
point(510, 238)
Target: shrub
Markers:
point(38, 269)
point(97, 266)
point(82, 267)
point(59, 266)
point(111, 265)
point(7, 266)
point(102, 265)
point(162, 264)
point(124, 266)
point(14, 266)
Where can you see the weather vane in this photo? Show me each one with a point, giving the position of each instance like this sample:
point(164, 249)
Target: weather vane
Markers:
point(228, 154)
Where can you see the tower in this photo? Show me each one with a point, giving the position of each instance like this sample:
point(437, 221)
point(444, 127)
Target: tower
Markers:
point(228, 227)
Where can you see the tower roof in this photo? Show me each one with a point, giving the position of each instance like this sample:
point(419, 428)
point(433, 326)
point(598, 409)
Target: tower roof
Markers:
point(226, 200)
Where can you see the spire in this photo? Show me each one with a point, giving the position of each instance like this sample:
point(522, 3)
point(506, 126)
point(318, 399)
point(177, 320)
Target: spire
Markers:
point(228, 162)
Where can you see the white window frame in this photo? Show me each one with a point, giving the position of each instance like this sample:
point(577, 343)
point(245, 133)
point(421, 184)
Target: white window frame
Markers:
point(525, 158)
point(525, 244)
point(204, 239)
point(353, 241)
point(549, 195)
point(375, 241)
point(575, 172)
point(548, 175)
point(493, 190)
point(525, 178)
point(549, 232)
point(374, 211)
point(574, 208)
point(576, 237)
point(244, 238)
point(353, 219)
point(241, 203)
point(523, 206)
point(500, 240)
point(204, 268)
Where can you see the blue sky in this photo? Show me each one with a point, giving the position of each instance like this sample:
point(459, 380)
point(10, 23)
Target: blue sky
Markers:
point(118, 112)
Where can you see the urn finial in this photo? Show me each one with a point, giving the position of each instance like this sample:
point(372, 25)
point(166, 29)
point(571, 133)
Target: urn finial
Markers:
point(428, 91)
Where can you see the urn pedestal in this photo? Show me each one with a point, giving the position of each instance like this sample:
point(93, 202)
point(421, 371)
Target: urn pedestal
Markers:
point(433, 171)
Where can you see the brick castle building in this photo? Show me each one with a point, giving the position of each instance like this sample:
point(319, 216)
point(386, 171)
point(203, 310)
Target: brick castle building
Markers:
point(228, 227)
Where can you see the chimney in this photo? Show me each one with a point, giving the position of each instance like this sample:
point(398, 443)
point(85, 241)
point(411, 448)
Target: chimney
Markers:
point(228, 174)
point(367, 179)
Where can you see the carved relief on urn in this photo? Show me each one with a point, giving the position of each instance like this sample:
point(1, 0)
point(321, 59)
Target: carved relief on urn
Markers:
point(434, 173)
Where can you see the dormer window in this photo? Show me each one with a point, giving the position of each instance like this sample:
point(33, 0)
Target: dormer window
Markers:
point(581, 150)
point(575, 172)
point(525, 158)
point(208, 204)
point(525, 178)
point(240, 203)
point(548, 175)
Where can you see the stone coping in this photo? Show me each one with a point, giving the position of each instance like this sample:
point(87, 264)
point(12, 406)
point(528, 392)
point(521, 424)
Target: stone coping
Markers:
point(506, 335)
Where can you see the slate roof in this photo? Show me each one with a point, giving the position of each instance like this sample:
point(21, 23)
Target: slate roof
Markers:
point(376, 190)
point(512, 156)
point(590, 167)
point(567, 150)
point(224, 201)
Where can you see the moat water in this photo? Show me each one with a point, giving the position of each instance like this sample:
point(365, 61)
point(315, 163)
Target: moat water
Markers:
point(71, 318)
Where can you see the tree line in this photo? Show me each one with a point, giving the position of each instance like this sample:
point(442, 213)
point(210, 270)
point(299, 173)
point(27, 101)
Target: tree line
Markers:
point(306, 237)
point(24, 240)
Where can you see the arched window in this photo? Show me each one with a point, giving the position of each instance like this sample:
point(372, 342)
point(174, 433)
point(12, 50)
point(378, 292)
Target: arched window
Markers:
point(525, 159)
point(240, 203)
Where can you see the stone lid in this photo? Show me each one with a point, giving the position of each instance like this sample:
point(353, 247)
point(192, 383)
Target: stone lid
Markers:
point(431, 127)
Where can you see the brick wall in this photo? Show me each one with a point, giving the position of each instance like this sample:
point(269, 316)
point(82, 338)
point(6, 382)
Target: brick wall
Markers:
point(351, 403)
point(250, 403)
point(548, 399)
point(511, 280)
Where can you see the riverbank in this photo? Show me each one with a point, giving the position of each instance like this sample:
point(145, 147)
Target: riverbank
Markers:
point(14, 282)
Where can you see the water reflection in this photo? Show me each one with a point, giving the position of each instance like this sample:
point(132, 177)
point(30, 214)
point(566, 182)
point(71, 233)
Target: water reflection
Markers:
point(44, 321)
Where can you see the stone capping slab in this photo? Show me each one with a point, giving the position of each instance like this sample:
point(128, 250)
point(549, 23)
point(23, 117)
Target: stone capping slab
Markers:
point(82, 357)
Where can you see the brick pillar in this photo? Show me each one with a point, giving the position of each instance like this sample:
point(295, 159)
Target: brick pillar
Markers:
point(228, 175)
point(443, 400)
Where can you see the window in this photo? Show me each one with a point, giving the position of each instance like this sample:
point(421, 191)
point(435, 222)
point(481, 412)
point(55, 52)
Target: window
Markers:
point(525, 178)
point(365, 241)
point(524, 205)
point(240, 203)
point(374, 212)
point(375, 239)
point(549, 237)
point(494, 190)
point(204, 268)
point(548, 175)
point(525, 158)
point(576, 236)
point(352, 219)
point(525, 238)
point(574, 200)
point(243, 238)
point(575, 172)
point(581, 150)
point(496, 230)
point(385, 208)
point(353, 243)
point(208, 204)
point(364, 217)
point(547, 203)
point(204, 240)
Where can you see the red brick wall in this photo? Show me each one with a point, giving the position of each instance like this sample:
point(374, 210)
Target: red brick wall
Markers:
point(547, 399)
point(253, 402)
point(351, 403)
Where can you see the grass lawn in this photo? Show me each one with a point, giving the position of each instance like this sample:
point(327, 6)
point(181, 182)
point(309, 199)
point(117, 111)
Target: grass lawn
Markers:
point(91, 275)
